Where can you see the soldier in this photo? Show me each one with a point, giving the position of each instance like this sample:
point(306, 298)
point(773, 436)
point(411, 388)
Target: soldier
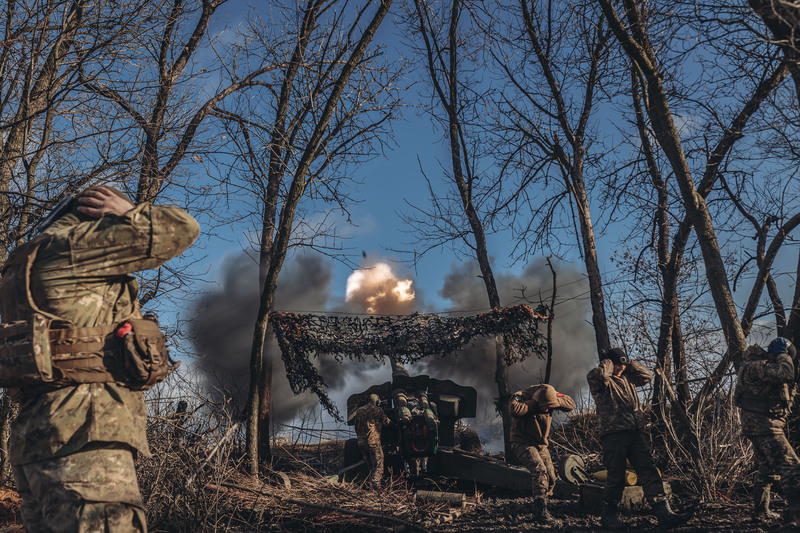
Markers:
point(622, 424)
point(73, 442)
point(531, 410)
point(764, 394)
point(410, 405)
point(369, 419)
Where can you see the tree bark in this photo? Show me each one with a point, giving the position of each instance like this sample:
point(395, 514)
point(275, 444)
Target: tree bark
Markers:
point(551, 315)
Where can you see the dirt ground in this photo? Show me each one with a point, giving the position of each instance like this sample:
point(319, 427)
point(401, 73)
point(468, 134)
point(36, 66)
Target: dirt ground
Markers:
point(303, 496)
point(509, 514)
point(495, 513)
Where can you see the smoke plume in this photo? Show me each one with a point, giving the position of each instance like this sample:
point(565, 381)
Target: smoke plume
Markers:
point(379, 290)
point(574, 347)
point(223, 331)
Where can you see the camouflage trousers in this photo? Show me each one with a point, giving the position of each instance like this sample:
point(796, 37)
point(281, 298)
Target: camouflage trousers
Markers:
point(373, 455)
point(621, 447)
point(540, 465)
point(777, 460)
point(91, 491)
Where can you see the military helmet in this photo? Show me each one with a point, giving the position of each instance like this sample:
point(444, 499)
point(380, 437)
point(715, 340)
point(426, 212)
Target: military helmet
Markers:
point(374, 399)
point(68, 207)
point(781, 345)
point(617, 356)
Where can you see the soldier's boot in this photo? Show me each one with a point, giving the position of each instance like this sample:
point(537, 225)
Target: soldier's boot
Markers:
point(609, 519)
point(666, 517)
point(540, 512)
point(761, 510)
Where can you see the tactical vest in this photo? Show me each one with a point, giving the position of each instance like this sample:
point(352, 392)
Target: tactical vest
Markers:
point(40, 351)
point(775, 404)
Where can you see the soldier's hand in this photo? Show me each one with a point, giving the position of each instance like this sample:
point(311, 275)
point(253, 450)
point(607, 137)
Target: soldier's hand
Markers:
point(99, 201)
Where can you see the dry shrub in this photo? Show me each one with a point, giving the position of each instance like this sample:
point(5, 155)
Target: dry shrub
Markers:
point(725, 463)
point(314, 503)
point(579, 435)
point(195, 480)
point(193, 443)
point(324, 457)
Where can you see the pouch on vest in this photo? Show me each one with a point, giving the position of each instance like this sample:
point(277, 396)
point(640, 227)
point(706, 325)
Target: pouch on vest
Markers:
point(25, 358)
point(144, 353)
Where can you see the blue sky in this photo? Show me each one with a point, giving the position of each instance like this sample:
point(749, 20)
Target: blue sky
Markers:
point(390, 181)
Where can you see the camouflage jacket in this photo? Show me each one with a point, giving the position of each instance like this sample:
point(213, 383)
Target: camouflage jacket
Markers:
point(81, 274)
point(369, 420)
point(762, 392)
point(533, 427)
point(617, 402)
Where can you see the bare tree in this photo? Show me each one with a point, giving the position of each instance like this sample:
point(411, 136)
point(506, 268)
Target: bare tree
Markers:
point(97, 91)
point(782, 19)
point(107, 91)
point(296, 145)
point(41, 102)
point(632, 35)
point(553, 63)
point(461, 219)
point(702, 186)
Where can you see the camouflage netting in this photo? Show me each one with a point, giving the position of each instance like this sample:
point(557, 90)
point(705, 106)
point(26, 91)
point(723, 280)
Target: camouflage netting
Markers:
point(407, 338)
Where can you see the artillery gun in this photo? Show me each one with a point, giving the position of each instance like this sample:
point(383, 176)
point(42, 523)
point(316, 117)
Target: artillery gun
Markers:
point(421, 440)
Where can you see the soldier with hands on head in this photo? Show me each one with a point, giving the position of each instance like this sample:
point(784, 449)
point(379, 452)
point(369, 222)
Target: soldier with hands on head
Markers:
point(622, 426)
point(369, 421)
point(82, 416)
point(532, 415)
point(764, 394)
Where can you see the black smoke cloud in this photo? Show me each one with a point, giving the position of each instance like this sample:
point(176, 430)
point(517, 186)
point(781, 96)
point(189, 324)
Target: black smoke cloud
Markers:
point(574, 346)
point(223, 331)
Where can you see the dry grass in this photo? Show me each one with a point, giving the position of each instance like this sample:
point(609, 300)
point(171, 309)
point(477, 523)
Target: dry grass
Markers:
point(195, 480)
point(298, 501)
point(725, 465)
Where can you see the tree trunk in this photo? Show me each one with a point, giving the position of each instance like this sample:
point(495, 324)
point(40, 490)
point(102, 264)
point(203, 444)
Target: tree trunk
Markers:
point(8, 411)
point(574, 166)
point(697, 211)
point(599, 320)
point(550, 318)
point(260, 377)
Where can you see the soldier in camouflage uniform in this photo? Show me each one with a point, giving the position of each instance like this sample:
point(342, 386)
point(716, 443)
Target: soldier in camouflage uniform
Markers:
point(531, 410)
point(369, 420)
point(764, 394)
point(73, 448)
point(622, 425)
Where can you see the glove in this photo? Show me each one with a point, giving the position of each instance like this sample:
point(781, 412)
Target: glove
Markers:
point(518, 406)
point(777, 346)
